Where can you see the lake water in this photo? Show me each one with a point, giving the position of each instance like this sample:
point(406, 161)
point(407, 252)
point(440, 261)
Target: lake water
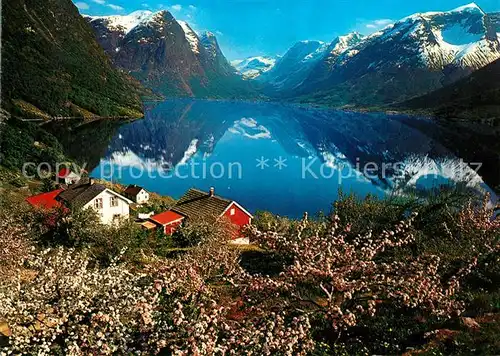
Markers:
point(281, 158)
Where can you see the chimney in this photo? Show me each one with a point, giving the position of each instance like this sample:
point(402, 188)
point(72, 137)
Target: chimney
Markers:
point(211, 192)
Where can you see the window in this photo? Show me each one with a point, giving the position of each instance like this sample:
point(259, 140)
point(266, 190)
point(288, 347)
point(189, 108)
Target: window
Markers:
point(116, 217)
point(113, 201)
point(98, 203)
point(232, 212)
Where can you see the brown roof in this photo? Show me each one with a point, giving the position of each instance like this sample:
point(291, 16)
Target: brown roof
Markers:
point(196, 204)
point(133, 190)
point(76, 196)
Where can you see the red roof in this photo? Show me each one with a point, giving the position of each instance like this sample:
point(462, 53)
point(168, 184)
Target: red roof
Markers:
point(166, 217)
point(63, 173)
point(45, 200)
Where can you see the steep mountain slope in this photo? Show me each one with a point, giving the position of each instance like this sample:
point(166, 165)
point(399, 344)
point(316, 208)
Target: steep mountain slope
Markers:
point(495, 21)
point(52, 64)
point(212, 59)
point(167, 55)
point(300, 62)
point(476, 97)
point(415, 55)
point(253, 67)
point(291, 69)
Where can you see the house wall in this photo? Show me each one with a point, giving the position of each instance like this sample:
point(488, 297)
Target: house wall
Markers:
point(71, 178)
point(142, 197)
point(170, 229)
point(107, 213)
point(240, 218)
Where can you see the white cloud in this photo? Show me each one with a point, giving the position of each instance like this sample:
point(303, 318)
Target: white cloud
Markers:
point(100, 2)
point(176, 7)
point(377, 24)
point(82, 5)
point(115, 7)
point(219, 33)
point(146, 5)
point(192, 7)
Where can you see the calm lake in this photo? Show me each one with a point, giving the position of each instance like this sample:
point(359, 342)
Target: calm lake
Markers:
point(281, 158)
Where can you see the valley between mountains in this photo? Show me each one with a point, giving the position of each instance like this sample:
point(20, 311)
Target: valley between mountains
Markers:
point(112, 62)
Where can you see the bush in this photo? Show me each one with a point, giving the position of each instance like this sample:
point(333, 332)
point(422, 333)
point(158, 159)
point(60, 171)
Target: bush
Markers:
point(82, 229)
point(196, 232)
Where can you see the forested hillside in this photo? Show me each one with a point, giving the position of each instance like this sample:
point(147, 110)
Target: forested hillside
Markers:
point(52, 65)
point(475, 97)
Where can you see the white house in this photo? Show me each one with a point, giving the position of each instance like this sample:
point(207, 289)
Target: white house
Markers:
point(137, 194)
point(110, 205)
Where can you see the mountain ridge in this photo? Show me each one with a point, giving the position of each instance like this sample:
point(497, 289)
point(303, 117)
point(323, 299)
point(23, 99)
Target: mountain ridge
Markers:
point(167, 55)
point(413, 56)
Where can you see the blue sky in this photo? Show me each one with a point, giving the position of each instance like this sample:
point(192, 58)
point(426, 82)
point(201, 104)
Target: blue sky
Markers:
point(269, 27)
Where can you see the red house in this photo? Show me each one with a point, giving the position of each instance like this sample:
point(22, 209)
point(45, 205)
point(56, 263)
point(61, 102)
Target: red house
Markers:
point(197, 204)
point(168, 220)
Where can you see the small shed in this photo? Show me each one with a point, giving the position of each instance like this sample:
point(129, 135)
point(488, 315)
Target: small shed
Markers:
point(168, 221)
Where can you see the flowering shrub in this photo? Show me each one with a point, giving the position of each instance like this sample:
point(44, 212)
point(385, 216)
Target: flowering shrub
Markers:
point(336, 279)
point(342, 279)
point(71, 307)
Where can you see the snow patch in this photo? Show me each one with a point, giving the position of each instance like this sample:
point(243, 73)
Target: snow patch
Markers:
point(252, 67)
point(248, 127)
point(191, 37)
point(190, 152)
point(125, 22)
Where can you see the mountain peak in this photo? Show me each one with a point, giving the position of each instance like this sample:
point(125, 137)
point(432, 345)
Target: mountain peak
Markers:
point(127, 23)
point(163, 13)
point(123, 22)
point(464, 10)
point(472, 6)
point(208, 40)
point(208, 35)
point(342, 43)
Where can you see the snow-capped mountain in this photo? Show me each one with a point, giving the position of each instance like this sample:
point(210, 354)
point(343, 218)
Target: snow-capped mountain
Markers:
point(292, 68)
point(123, 23)
point(112, 29)
point(167, 55)
point(415, 55)
point(253, 67)
point(191, 36)
point(215, 59)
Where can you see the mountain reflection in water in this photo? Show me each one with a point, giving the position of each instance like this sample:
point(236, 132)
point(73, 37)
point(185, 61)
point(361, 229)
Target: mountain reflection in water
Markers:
point(282, 158)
